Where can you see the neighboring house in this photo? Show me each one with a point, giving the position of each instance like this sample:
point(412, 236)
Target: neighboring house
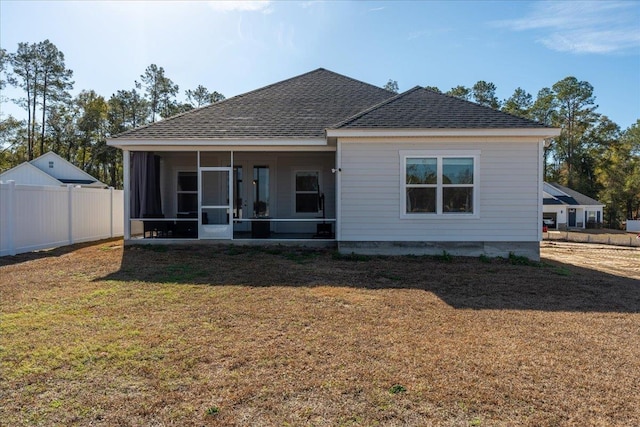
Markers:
point(50, 169)
point(322, 157)
point(565, 208)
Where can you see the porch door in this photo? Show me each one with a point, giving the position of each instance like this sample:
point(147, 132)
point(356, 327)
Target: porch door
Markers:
point(215, 202)
point(572, 217)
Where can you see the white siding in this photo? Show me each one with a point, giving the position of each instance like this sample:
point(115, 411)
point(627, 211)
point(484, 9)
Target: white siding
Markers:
point(27, 174)
point(507, 204)
point(60, 168)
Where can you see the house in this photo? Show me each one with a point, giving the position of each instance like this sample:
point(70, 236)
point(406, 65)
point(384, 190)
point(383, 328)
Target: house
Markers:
point(50, 169)
point(565, 208)
point(324, 158)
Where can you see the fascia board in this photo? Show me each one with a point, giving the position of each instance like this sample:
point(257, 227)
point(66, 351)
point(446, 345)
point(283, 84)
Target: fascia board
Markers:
point(124, 143)
point(531, 132)
point(222, 148)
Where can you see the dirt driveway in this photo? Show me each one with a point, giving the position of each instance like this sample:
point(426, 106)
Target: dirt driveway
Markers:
point(616, 260)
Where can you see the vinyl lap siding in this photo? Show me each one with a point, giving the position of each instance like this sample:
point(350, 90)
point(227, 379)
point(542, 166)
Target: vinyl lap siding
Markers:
point(507, 203)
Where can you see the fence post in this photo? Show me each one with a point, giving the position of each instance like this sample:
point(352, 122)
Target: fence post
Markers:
point(11, 217)
point(70, 207)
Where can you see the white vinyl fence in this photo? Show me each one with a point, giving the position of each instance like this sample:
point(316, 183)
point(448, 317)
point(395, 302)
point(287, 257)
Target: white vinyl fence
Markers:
point(602, 239)
point(36, 217)
point(633, 225)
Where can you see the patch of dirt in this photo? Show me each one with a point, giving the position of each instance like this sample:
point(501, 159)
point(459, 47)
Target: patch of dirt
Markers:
point(617, 260)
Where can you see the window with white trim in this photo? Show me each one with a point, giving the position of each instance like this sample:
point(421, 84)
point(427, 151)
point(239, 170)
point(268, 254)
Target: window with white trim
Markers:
point(439, 184)
point(307, 191)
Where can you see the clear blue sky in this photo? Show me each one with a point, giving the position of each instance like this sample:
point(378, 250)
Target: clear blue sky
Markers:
point(234, 47)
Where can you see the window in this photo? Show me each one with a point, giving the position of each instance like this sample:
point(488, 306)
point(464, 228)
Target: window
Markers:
point(592, 219)
point(307, 191)
point(439, 184)
point(187, 192)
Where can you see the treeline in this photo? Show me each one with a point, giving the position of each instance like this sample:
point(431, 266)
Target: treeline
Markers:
point(76, 128)
point(592, 155)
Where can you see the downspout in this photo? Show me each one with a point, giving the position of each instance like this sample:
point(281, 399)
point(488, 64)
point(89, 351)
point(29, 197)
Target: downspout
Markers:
point(199, 194)
point(541, 146)
point(232, 199)
point(126, 186)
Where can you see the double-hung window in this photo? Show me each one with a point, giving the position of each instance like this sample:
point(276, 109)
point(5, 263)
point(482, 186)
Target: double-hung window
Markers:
point(439, 184)
point(307, 192)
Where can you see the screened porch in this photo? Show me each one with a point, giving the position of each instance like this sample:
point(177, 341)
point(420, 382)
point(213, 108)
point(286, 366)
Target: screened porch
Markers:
point(244, 195)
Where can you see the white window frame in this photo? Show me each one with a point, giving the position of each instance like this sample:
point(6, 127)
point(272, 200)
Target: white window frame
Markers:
point(295, 192)
point(439, 155)
point(178, 191)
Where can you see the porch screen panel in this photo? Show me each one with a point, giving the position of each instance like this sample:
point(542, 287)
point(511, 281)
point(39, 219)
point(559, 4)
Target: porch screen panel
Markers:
point(215, 188)
point(307, 192)
point(261, 191)
point(188, 193)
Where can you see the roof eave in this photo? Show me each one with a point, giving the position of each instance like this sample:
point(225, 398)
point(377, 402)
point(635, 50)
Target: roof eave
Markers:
point(190, 142)
point(542, 132)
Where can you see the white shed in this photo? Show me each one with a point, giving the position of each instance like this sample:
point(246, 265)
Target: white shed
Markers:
point(50, 169)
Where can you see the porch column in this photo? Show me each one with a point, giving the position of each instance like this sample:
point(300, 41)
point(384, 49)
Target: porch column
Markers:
point(338, 184)
point(126, 186)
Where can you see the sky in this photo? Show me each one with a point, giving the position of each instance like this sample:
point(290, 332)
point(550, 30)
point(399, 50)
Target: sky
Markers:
point(235, 47)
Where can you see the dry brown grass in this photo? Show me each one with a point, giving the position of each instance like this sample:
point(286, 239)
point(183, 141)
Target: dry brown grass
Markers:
point(94, 335)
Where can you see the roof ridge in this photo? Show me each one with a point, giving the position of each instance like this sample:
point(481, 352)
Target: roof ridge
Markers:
point(575, 194)
point(241, 95)
point(484, 106)
point(474, 107)
point(355, 80)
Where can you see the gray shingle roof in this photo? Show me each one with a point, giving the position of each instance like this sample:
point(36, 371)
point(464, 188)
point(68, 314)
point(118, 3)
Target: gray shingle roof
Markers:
point(299, 107)
point(420, 108)
point(579, 198)
point(551, 201)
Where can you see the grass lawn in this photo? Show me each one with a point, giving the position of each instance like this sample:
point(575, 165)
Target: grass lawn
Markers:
point(219, 335)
